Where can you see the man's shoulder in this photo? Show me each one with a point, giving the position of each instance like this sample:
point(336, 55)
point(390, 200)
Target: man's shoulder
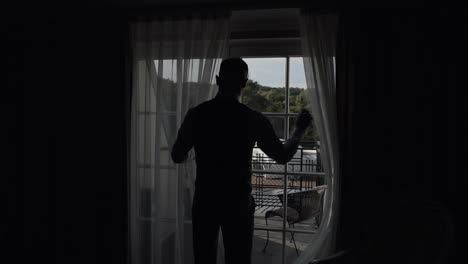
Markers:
point(213, 106)
point(199, 106)
point(202, 107)
point(249, 110)
point(255, 114)
point(202, 110)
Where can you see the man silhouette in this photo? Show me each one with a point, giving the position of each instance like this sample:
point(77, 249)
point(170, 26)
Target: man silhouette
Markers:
point(223, 132)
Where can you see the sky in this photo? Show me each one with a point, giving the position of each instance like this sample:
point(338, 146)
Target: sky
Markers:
point(271, 71)
point(265, 71)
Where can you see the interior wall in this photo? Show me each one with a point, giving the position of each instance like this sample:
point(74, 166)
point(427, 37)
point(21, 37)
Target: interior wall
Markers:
point(65, 113)
point(404, 116)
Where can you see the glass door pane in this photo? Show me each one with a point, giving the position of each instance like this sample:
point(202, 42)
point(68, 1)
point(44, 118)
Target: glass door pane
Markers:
point(265, 90)
point(311, 134)
point(298, 98)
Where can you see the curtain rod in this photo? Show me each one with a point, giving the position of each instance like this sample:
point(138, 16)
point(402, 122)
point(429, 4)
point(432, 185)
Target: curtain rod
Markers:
point(131, 13)
point(129, 10)
point(233, 7)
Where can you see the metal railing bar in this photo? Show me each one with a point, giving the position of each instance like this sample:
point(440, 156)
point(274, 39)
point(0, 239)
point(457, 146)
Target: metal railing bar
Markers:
point(320, 174)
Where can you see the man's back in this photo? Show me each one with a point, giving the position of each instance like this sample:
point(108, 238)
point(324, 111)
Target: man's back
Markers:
point(224, 133)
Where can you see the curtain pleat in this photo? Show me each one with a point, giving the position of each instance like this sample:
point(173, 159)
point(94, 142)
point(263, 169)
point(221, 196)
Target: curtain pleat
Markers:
point(174, 64)
point(318, 38)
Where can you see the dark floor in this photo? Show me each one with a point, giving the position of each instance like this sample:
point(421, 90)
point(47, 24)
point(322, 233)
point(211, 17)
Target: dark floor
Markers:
point(273, 252)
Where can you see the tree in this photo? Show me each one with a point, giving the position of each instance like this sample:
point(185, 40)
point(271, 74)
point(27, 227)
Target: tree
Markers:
point(252, 98)
point(271, 99)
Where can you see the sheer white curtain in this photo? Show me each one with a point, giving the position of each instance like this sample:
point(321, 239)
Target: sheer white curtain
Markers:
point(318, 37)
point(174, 61)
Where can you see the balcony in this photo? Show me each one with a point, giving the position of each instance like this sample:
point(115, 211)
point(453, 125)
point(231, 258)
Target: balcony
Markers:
point(303, 173)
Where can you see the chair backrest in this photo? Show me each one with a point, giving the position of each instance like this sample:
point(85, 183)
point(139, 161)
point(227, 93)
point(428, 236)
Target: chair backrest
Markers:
point(307, 203)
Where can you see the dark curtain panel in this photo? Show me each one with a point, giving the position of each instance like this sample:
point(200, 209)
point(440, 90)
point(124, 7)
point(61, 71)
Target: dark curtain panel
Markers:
point(66, 132)
point(401, 114)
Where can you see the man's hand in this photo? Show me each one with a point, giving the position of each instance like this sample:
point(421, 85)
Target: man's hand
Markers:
point(304, 120)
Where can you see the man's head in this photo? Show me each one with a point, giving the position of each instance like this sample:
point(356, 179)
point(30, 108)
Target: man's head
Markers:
point(233, 75)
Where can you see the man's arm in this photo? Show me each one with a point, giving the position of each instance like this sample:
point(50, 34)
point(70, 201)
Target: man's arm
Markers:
point(269, 143)
point(184, 140)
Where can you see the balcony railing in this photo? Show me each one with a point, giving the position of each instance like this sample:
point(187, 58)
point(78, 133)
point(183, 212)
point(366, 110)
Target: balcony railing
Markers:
point(304, 172)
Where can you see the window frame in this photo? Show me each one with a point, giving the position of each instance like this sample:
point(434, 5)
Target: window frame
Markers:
point(286, 114)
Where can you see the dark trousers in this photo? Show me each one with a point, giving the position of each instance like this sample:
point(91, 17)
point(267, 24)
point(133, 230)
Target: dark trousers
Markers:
point(235, 219)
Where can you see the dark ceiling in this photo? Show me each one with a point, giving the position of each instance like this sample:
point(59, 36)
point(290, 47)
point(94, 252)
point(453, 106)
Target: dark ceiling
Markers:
point(238, 4)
